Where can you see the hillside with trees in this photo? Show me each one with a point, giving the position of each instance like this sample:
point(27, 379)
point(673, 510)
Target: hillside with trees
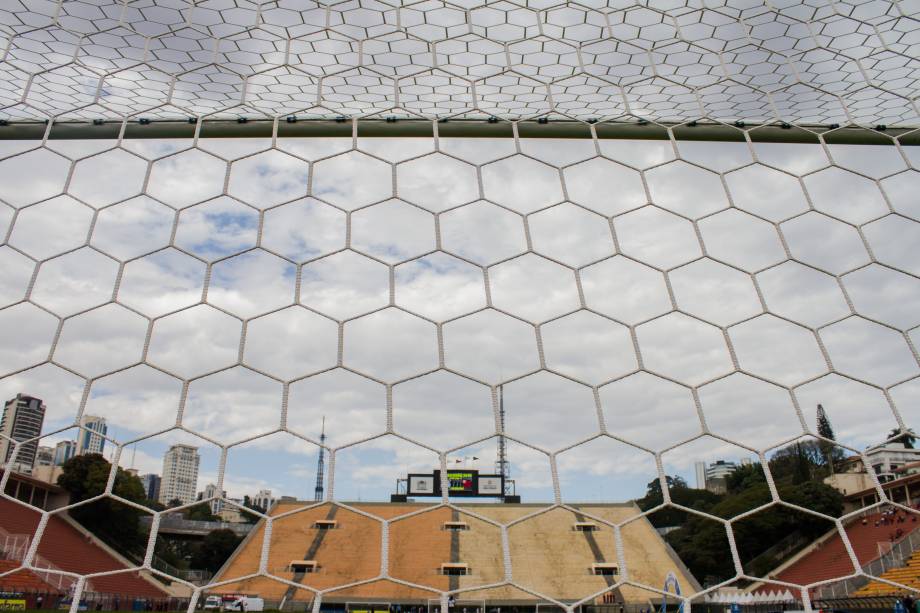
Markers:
point(798, 471)
point(119, 525)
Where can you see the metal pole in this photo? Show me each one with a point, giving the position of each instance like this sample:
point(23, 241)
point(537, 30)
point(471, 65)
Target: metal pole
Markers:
point(459, 128)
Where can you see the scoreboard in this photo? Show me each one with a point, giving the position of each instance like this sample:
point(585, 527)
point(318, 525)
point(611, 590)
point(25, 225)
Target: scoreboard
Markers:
point(460, 482)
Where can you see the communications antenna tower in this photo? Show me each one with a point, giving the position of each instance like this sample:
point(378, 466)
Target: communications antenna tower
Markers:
point(502, 465)
point(320, 465)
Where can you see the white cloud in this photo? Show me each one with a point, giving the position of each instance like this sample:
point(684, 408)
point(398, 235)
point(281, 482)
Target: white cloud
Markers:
point(443, 409)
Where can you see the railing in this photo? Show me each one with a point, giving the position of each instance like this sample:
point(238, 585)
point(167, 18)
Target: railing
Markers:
point(13, 546)
point(198, 577)
point(895, 557)
point(168, 523)
point(16, 546)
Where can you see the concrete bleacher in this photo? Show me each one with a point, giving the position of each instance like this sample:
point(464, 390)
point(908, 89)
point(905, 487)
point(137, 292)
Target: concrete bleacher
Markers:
point(829, 559)
point(68, 549)
point(549, 556)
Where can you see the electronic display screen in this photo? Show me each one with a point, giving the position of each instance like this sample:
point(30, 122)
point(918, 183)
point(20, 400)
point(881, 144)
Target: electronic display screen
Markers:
point(459, 483)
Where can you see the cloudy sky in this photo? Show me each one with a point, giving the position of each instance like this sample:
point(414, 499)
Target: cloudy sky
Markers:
point(653, 291)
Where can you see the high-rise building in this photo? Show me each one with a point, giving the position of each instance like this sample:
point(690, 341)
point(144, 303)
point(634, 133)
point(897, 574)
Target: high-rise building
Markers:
point(180, 474)
point(151, 486)
point(92, 433)
point(63, 451)
point(211, 491)
point(700, 469)
point(44, 456)
point(23, 417)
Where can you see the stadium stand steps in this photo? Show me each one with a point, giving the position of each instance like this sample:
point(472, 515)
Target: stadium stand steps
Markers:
point(908, 575)
point(830, 560)
point(22, 580)
point(549, 555)
point(69, 550)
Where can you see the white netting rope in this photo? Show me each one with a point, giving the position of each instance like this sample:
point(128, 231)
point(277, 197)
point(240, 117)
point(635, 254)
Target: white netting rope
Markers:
point(835, 65)
point(838, 63)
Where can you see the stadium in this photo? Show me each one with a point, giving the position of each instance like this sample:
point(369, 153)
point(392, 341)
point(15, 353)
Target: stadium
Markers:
point(459, 306)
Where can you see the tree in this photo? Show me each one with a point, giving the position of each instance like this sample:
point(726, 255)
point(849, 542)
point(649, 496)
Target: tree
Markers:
point(702, 544)
point(700, 500)
point(653, 489)
point(215, 549)
point(85, 477)
point(831, 452)
point(797, 463)
point(744, 477)
point(154, 505)
point(907, 437)
point(200, 512)
point(172, 504)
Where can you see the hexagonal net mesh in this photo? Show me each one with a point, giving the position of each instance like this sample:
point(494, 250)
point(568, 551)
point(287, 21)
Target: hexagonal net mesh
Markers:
point(686, 368)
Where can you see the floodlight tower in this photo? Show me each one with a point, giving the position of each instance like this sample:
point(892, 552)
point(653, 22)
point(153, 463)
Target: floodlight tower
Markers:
point(502, 465)
point(320, 465)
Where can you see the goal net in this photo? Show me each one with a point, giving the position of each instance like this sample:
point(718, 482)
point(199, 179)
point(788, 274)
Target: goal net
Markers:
point(634, 286)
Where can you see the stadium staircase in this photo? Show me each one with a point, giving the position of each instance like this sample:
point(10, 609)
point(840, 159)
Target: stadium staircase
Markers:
point(65, 548)
point(829, 558)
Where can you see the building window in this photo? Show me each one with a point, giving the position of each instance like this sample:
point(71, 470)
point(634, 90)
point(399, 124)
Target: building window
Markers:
point(605, 569)
point(455, 569)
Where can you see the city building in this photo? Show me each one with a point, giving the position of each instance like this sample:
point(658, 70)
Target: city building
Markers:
point(180, 474)
point(92, 433)
point(700, 469)
point(231, 514)
point(44, 456)
point(211, 491)
point(151, 486)
point(716, 475)
point(46, 473)
point(22, 420)
point(263, 499)
point(889, 460)
point(63, 451)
